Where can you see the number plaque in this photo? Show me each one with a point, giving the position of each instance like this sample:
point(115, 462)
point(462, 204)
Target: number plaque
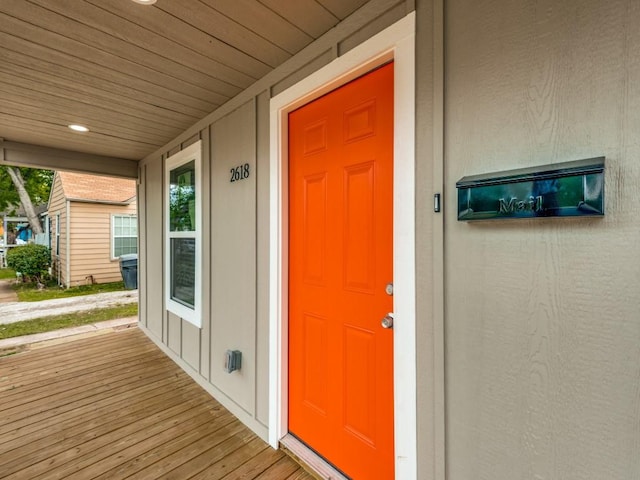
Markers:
point(240, 172)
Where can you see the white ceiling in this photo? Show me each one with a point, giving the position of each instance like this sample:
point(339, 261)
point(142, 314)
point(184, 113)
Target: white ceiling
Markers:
point(139, 75)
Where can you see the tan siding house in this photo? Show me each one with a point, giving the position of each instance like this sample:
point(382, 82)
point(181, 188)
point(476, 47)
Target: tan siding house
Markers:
point(93, 222)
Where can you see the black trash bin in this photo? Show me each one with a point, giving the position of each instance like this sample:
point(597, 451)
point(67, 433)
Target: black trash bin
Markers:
point(129, 270)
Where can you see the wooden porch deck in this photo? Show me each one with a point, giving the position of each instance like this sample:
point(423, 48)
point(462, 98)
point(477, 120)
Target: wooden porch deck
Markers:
point(113, 407)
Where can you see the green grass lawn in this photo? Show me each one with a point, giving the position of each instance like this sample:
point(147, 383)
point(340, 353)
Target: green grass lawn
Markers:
point(47, 324)
point(30, 293)
point(7, 274)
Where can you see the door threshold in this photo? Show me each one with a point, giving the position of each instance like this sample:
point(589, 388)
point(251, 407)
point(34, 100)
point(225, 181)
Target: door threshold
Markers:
point(310, 460)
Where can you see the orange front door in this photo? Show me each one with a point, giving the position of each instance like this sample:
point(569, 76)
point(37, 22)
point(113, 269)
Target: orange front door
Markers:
point(340, 262)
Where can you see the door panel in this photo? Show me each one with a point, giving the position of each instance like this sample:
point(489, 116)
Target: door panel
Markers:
point(316, 363)
point(315, 235)
point(340, 261)
point(359, 242)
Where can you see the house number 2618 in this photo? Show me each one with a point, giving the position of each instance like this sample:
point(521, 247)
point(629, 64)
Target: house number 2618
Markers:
point(240, 172)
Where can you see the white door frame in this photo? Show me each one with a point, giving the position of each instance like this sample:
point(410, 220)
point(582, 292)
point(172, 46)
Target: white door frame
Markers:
point(396, 43)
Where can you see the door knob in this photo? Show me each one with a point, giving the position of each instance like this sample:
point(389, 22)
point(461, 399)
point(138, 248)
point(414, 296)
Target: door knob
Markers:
point(387, 321)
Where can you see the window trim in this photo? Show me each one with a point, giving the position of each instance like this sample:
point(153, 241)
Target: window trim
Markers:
point(113, 232)
point(192, 315)
point(58, 234)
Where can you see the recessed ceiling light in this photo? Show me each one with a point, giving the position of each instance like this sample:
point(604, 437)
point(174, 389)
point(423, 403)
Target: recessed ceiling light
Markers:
point(78, 128)
point(145, 2)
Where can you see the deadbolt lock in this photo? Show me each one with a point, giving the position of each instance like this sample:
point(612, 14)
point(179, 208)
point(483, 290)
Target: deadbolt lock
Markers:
point(387, 321)
point(389, 289)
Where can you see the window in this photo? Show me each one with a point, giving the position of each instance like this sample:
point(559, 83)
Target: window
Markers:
point(183, 213)
point(47, 230)
point(124, 235)
point(58, 234)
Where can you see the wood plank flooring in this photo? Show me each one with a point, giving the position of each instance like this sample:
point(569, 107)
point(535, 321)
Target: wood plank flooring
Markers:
point(114, 407)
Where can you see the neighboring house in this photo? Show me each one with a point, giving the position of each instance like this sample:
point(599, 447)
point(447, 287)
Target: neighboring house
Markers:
point(15, 230)
point(92, 221)
point(16, 221)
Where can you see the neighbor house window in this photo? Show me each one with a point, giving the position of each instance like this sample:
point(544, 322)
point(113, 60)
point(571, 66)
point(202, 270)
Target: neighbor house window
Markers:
point(58, 234)
point(183, 228)
point(124, 235)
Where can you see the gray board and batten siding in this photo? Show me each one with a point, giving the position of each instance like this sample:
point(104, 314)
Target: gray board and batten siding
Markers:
point(539, 334)
point(235, 229)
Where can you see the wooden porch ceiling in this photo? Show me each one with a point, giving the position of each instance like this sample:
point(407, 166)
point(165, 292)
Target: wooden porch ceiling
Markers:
point(139, 75)
point(114, 406)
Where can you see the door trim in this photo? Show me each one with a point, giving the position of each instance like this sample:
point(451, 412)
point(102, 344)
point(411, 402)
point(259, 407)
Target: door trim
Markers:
point(396, 43)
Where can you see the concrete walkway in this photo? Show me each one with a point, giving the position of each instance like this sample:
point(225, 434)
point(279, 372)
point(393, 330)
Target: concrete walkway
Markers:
point(38, 340)
point(13, 311)
point(19, 311)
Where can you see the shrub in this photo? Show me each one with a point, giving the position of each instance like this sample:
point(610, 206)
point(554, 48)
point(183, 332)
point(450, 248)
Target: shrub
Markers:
point(31, 260)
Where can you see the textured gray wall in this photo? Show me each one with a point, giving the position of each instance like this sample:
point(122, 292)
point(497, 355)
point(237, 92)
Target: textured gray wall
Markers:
point(236, 229)
point(543, 316)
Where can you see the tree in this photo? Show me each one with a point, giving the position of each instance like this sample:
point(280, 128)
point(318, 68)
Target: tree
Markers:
point(26, 187)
